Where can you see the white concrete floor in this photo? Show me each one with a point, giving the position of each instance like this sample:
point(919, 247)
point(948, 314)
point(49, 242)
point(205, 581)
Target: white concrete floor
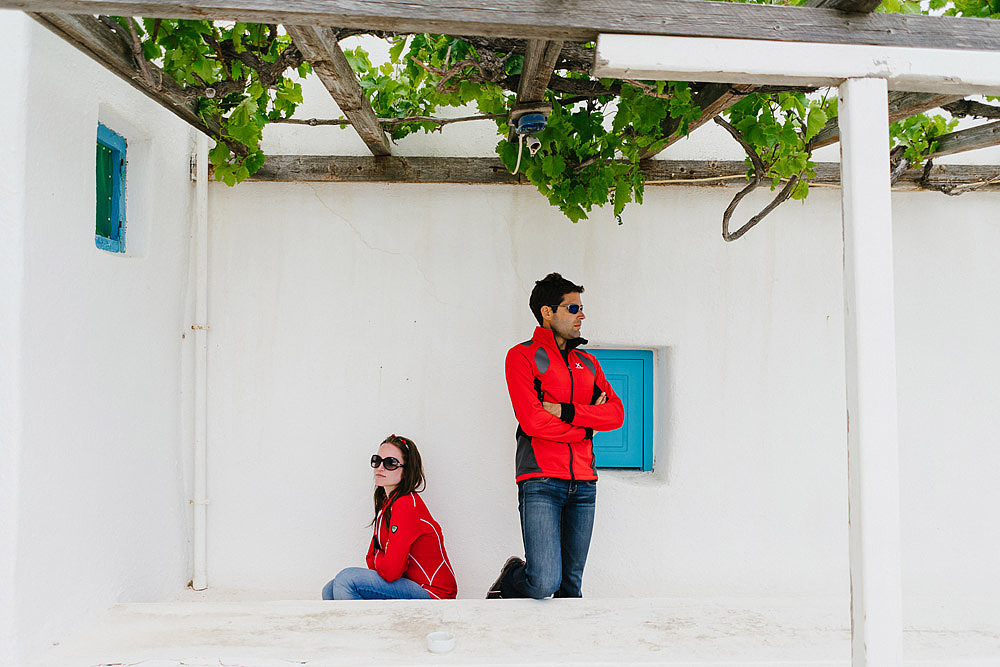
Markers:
point(212, 629)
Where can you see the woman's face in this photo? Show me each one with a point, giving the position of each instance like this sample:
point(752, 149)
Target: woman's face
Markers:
point(389, 479)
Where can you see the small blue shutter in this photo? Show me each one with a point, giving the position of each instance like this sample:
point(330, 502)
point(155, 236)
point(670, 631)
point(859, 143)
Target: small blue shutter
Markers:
point(110, 219)
point(630, 374)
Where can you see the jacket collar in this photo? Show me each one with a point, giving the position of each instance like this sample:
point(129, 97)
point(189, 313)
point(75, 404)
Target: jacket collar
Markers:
point(545, 337)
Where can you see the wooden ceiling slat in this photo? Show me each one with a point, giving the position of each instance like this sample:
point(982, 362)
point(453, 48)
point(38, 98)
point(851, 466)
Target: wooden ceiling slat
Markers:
point(112, 51)
point(490, 171)
point(328, 61)
point(716, 98)
point(901, 105)
point(980, 136)
point(540, 59)
point(569, 20)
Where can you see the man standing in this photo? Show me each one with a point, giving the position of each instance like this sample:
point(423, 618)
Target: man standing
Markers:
point(560, 397)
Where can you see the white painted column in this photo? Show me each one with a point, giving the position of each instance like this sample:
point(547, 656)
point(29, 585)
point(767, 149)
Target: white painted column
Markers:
point(872, 430)
point(200, 579)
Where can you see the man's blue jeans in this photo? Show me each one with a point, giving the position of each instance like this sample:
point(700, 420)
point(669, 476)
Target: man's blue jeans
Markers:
point(557, 520)
point(360, 583)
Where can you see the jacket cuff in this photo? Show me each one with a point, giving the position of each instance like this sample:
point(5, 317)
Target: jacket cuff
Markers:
point(589, 432)
point(568, 412)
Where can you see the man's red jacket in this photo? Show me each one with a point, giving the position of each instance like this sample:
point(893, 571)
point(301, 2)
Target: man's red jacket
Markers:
point(549, 446)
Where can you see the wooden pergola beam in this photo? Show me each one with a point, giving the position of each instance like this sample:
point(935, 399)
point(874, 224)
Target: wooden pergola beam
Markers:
point(981, 136)
point(490, 171)
point(570, 20)
point(901, 105)
point(540, 57)
point(863, 6)
point(328, 61)
point(112, 51)
point(713, 99)
point(716, 98)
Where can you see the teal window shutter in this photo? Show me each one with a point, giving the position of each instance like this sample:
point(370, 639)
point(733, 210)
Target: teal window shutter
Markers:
point(630, 374)
point(109, 229)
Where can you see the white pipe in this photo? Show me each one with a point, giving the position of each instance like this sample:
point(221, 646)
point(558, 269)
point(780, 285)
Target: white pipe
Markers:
point(870, 355)
point(199, 580)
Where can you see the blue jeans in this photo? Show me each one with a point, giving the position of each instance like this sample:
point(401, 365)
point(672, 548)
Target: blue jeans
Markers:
point(557, 520)
point(360, 583)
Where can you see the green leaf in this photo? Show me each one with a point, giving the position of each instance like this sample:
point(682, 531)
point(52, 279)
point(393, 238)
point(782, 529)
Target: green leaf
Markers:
point(219, 154)
point(553, 165)
point(396, 49)
point(800, 190)
point(815, 122)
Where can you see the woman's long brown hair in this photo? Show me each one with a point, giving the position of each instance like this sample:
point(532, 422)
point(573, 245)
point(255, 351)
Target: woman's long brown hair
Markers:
point(413, 476)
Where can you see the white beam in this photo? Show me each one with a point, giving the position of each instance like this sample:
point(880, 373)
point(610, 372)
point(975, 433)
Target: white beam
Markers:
point(795, 63)
point(870, 355)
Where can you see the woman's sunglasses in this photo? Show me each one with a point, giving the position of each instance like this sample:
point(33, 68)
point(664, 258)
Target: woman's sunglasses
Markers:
point(389, 462)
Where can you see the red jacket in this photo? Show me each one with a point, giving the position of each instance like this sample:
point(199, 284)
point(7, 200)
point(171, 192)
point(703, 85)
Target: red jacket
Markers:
point(411, 546)
point(549, 446)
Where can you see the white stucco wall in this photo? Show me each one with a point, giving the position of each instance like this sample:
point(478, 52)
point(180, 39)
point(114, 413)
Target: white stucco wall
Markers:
point(13, 77)
point(96, 424)
point(341, 313)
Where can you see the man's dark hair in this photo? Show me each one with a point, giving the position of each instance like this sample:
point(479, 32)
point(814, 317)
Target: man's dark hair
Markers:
point(549, 291)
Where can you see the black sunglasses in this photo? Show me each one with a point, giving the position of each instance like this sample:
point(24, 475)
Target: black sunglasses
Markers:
point(573, 308)
point(389, 462)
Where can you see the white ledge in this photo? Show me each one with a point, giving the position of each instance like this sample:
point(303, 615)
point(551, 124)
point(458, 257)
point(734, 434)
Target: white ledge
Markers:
point(795, 63)
point(674, 632)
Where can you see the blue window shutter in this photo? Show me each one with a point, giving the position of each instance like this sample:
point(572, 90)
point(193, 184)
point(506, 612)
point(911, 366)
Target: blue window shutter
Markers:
point(110, 223)
point(630, 374)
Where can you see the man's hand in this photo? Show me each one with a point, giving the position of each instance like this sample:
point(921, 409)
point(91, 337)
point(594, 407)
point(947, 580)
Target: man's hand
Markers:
point(555, 409)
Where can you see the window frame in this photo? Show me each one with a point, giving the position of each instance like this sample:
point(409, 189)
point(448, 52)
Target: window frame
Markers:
point(647, 357)
point(117, 145)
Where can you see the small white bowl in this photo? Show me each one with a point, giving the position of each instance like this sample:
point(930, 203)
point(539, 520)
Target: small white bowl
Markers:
point(440, 642)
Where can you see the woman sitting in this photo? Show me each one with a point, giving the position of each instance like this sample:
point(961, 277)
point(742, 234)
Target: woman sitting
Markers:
point(406, 559)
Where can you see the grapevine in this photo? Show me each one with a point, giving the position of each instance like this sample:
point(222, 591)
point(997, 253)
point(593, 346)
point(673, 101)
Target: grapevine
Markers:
point(598, 130)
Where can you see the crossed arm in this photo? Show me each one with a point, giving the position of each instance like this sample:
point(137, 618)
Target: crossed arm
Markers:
point(555, 409)
point(556, 421)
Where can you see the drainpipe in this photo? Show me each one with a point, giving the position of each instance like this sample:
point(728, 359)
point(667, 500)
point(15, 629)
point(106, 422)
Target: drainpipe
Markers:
point(200, 327)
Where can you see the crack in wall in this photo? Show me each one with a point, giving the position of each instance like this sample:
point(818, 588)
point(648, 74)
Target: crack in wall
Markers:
point(431, 291)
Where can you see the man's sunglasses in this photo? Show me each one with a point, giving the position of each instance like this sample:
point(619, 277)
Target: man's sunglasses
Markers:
point(573, 308)
point(389, 462)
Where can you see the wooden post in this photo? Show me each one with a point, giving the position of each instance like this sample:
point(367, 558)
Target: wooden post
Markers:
point(870, 349)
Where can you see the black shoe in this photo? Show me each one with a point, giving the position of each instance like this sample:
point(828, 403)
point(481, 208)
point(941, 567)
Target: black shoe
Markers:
point(512, 562)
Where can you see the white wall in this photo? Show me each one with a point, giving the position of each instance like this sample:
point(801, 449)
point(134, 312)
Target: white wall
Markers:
point(341, 313)
point(101, 508)
point(13, 78)
point(948, 367)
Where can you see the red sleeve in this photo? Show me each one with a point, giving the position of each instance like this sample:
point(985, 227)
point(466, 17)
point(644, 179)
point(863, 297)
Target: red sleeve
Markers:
point(533, 418)
point(605, 417)
point(370, 558)
point(391, 562)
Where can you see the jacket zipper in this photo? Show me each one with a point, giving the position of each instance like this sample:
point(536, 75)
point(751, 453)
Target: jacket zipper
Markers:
point(572, 475)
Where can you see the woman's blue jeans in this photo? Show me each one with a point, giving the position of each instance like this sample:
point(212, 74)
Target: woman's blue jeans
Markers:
point(557, 520)
point(360, 583)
